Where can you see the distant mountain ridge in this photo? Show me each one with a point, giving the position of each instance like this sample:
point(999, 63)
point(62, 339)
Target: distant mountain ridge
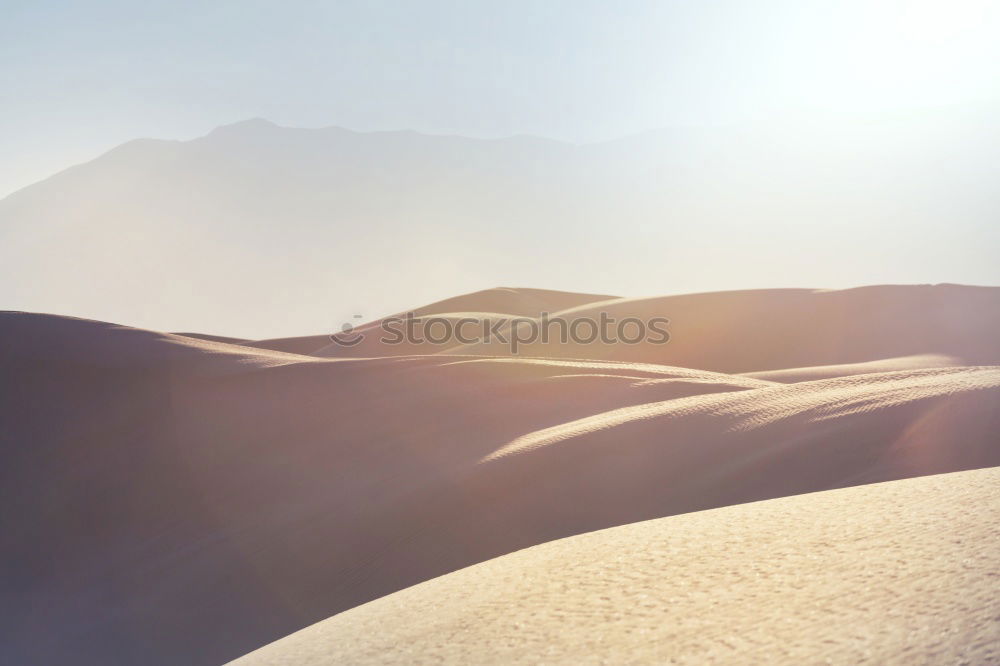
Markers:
point(220, 232)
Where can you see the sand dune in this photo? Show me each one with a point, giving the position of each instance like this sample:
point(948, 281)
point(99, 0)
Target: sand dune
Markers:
point(180, 500)
point(50, 339)
point(489, 305)
point(901, 572)
point(501, 303)
point(891, 327)
point(517, 302)
point(777, 329)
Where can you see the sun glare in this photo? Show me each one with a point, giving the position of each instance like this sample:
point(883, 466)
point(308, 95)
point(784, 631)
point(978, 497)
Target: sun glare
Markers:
point(932, 22)
point(910, 54)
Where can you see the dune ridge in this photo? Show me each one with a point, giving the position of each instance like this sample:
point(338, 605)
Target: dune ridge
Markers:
point(202, 498)
point(891, 573)
point(778, 329)
point(755, 331)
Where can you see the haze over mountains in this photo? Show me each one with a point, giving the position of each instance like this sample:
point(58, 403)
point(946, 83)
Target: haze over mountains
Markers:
point(261, 231)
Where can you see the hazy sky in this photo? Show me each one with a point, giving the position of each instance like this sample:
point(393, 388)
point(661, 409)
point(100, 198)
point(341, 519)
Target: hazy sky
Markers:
point(79, 77)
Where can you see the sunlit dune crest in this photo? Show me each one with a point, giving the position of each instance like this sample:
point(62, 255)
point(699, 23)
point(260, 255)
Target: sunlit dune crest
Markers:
point(885, 573)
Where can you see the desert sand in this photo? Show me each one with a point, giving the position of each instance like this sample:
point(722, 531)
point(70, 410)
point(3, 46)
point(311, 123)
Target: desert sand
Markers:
point(901, 572)
point(187, 499)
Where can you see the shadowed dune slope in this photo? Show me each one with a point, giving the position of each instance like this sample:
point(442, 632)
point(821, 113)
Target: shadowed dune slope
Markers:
point(172, 500)
point(901, 572)
point(43, 338)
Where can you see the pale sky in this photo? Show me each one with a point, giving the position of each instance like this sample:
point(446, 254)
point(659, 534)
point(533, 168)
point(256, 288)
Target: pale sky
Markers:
point(79, 77)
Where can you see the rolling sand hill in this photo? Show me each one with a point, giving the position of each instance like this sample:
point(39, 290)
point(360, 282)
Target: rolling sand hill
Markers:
point(891, 573)
point(171, 499)
point(488, 305)
point(778, 329)
point(783, 331)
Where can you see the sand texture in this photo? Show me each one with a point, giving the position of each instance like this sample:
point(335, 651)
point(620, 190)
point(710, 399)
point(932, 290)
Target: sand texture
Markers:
point(173, 498)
